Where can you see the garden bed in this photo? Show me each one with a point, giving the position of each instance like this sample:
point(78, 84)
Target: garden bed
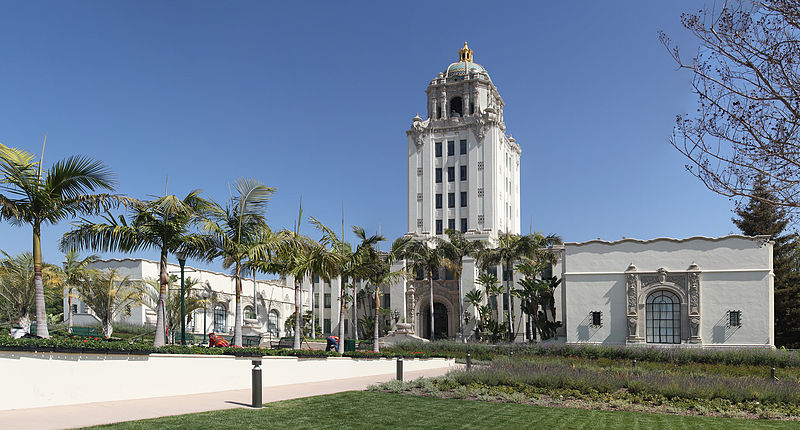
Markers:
point(548, 382)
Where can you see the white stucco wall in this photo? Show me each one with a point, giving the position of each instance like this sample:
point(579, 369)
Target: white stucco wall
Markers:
point(33, 380)
point(273, 295)
point(735, 274)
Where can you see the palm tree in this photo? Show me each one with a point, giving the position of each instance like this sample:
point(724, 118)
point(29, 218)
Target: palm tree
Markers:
point(455, 249)
point(425, 257)
point(537, 291)
point(75, 271)
point(512, 249)
point(380, 273)
point(108, 294)
point(238, 232)
point(353, 265)
point(163, 224)
point(172, 303)
point(33, 196)
point(17, 290)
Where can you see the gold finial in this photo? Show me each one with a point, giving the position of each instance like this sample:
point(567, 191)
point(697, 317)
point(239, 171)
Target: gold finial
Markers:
point(465, 54)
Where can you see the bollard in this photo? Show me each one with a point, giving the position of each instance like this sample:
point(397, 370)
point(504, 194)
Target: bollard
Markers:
point(773, 374)
point(634, 363)
point(469, 362)
point(400, 368)
point(257, 387)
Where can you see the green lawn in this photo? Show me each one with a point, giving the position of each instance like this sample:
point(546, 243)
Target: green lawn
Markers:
point(359, 409)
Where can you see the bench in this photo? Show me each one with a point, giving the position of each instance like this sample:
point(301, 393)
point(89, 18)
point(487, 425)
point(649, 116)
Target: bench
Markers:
point(283, 343)
point(364, 345)
point(251, 340)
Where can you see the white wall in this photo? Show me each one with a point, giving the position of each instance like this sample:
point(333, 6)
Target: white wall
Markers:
point(33, 380)
point(735, 274)
point(272, 294)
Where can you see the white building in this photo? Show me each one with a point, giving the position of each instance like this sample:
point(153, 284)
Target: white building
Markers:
point(463, 174)
point(696, 291)
point(463, 171)
point(273, 304)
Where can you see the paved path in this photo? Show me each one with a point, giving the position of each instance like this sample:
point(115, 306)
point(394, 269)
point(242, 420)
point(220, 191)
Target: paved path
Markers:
point(88, 414)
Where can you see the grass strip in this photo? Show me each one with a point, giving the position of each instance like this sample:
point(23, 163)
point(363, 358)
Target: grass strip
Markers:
point(357, 409)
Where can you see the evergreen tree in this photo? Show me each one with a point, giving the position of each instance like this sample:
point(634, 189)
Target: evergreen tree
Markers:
point(760, 217)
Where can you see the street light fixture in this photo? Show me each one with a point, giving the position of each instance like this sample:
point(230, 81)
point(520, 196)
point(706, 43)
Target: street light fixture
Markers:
point(182, 260)
point(205, 296)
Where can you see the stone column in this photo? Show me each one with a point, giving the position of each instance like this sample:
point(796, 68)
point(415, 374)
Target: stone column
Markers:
point(694, 304)
point(632, 300)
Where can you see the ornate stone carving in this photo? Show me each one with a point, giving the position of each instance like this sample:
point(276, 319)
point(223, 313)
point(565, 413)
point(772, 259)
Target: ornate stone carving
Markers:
point(694, 294)
point(694, 325)
point(410, 304)
point(632, 294)
point(662, 275)
point(632, 322)
point(418, 131)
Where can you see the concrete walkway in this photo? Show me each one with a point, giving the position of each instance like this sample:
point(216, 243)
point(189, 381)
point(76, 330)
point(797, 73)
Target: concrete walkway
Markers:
point(88, 414)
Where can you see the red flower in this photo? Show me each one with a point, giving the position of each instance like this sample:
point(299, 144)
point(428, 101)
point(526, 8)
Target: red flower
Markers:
point(84, 341)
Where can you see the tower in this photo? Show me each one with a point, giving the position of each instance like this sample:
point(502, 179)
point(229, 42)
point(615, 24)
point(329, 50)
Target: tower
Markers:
point(463, 171)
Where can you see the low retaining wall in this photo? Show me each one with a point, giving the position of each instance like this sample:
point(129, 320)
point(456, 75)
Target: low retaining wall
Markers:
point(39, 379)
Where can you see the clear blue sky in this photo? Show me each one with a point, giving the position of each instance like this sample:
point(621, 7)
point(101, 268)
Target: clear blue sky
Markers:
point(314, 98)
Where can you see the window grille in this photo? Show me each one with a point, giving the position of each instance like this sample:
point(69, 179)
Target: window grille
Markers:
point(419, 197)
point(480, 192)
point(663, 311)
point(480, 219)
point(597, 319)
point(419, 222)
point(480, 165)
point(419, 171)
point(734, 318)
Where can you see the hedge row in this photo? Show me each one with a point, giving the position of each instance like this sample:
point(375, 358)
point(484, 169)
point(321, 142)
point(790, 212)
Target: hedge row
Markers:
point(118, 346)
point(676, 355)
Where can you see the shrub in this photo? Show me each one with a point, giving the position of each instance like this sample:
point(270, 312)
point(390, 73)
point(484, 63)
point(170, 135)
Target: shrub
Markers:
point(521, 373)
point(676, 355)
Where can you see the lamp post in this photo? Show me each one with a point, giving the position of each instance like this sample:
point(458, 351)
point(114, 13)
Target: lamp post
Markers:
point(182, 260)
point(205, 314)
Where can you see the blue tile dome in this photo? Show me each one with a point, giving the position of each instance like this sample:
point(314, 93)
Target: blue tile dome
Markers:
point(462, 68)
point(464, 65)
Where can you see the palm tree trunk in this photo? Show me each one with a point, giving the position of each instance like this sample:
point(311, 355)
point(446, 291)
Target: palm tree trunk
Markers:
point(355, 310)
point(313, 313)
point(340, 346)
point(509, 275)
point(107, 328)
point(375, 326)
point(237, 325)
point(161, 319)
point(461, 306)
point(298, 321)
point(41, 311)
point(430, 281)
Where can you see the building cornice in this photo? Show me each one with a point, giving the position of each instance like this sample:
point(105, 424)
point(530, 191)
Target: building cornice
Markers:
point(186, 268)
point(763, 239)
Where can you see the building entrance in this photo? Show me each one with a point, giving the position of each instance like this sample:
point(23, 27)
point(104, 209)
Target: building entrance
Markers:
point(440, 321)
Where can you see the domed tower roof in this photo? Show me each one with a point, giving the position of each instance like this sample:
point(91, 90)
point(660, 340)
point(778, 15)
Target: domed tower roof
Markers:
point(464, 65)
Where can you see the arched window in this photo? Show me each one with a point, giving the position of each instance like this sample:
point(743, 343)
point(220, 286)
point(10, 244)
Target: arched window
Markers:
point(220, 318)
point(248, 313)
point(273, 323)
point(663, 318)
point(456, 107)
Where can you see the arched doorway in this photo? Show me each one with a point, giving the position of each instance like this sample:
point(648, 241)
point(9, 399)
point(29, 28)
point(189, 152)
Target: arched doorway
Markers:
point(440, 321)
point(663, 311)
